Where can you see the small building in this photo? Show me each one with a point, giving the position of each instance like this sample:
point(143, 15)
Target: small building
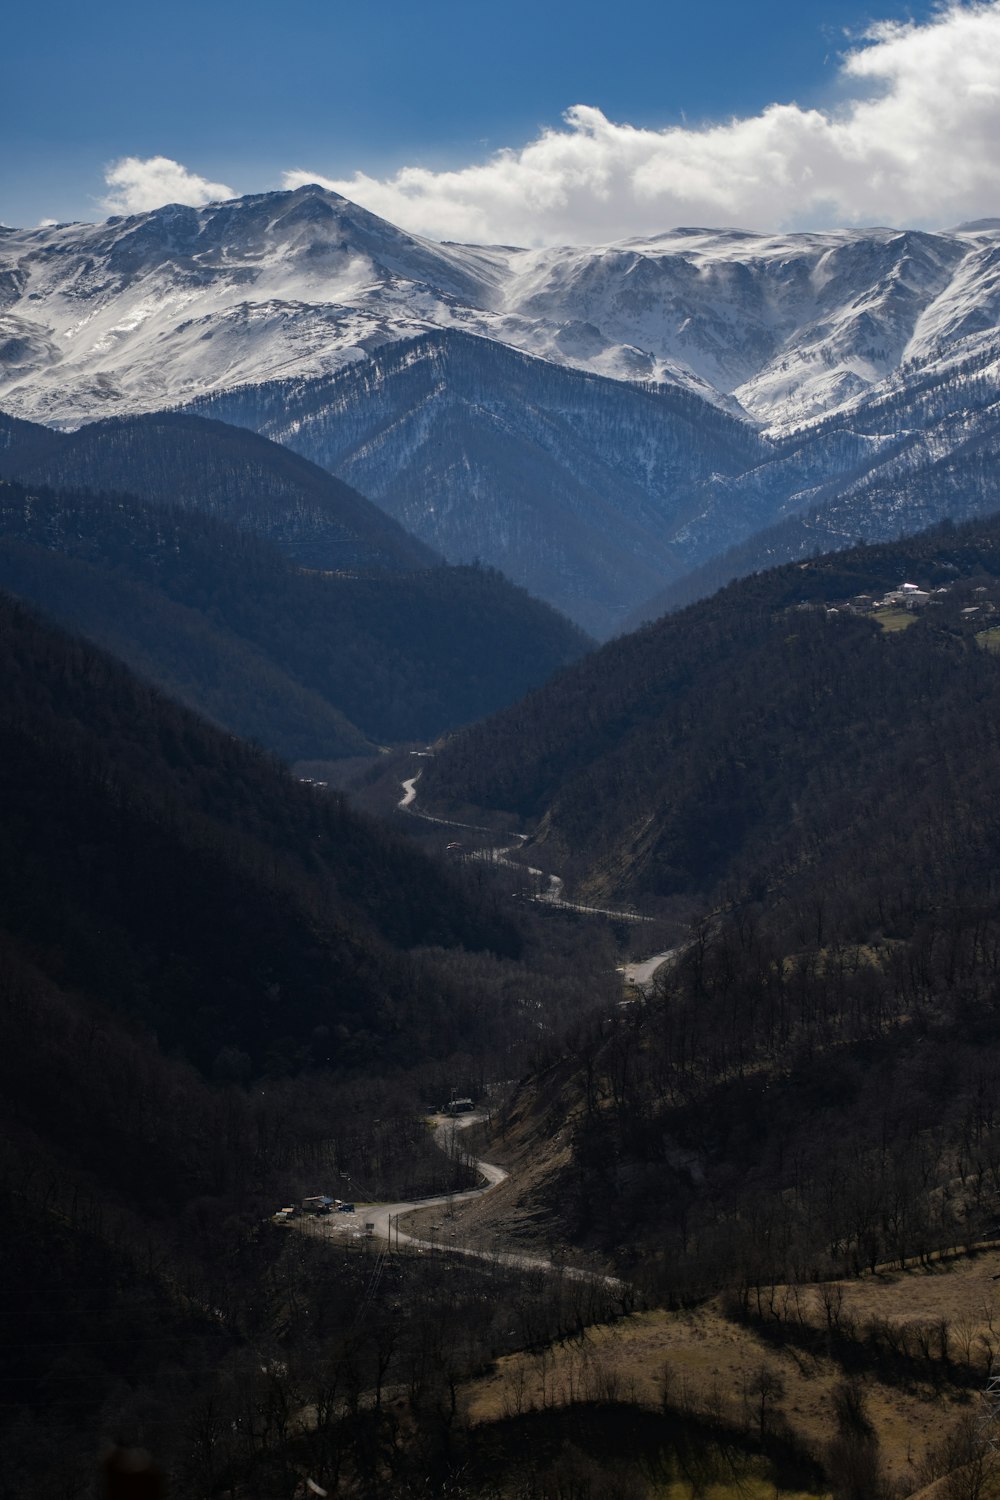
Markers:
point(906, 597)
point(459, 1107)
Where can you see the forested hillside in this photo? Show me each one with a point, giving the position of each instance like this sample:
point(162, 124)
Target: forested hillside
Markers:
point(811, 1089)
point(730, 740)
point(222, 471)
point(310, 665)
point(186, 880)
point(808, 1093)
point(218, 988)
point(587, 491)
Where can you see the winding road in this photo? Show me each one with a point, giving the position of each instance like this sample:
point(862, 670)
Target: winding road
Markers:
point(381, 1220)
point(382, 1214)
point(384, 1217)
point(552, 896)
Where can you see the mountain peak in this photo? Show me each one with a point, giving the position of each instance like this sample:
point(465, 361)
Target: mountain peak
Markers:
point(163, 308)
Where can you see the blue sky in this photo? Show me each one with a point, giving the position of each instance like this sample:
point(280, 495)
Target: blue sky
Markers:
point(242, 93)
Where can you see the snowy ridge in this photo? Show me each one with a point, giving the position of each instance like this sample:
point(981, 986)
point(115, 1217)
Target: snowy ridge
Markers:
point(157, 309)
point(597, 421)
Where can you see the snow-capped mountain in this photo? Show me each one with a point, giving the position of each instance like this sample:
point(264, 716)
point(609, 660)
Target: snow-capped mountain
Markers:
point(811, 360)
point(137, 313)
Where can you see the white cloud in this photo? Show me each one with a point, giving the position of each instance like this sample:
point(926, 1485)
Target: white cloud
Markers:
point(138, 185)
point(916, 142)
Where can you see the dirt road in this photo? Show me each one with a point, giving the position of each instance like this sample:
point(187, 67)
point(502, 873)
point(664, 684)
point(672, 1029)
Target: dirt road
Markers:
point(551, 896)
point(384, 1217)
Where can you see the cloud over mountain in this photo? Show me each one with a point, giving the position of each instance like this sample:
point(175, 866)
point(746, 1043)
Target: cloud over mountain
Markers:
point(914, 141)
point(138, 185)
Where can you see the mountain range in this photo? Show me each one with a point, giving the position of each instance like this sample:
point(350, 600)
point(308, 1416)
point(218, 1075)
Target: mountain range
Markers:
point(597, 421)
point(221, 983)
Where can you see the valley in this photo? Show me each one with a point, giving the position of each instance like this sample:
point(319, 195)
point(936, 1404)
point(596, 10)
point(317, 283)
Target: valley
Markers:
point(728, 1213)
point(549, 887)
point(560, 683)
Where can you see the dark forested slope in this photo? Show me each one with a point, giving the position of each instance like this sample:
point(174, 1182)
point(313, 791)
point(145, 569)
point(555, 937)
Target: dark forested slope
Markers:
point(721, 739)
point(227, 472)
point(812, 1091)
point(813, 1088)
point(189, 882)
point(219, 991)
point(310, 665)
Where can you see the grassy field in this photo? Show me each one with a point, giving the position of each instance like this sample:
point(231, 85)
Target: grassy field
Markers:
point(895, 619)
point(943, 1320)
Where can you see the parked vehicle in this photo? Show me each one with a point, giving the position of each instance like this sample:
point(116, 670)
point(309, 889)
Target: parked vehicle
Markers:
point(318, 1204)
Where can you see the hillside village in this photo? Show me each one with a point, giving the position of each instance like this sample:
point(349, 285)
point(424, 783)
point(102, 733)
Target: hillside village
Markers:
point(912, 596)
point(969, 601)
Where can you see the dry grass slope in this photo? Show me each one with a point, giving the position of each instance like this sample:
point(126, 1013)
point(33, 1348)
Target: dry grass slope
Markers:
point(780, 1368)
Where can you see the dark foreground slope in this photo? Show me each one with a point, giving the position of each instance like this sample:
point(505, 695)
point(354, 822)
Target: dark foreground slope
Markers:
point(215, 989)
point(732, 739)
point(312, 666)
point(189, 882)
